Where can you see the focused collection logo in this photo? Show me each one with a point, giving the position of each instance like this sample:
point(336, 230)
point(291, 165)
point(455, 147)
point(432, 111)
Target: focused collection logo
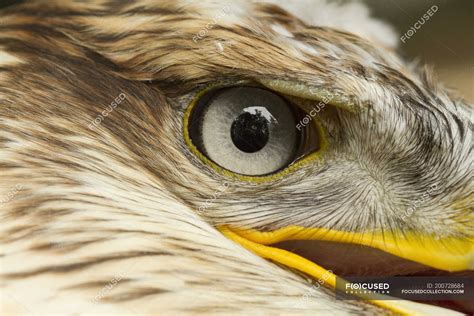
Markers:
point(367, 287)
point(411, 288)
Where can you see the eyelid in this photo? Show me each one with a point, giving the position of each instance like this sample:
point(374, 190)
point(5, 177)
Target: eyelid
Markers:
point(297, 164)
point(310, 94)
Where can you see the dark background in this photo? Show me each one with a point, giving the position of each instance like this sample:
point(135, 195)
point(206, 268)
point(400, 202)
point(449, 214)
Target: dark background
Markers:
point(445, 41)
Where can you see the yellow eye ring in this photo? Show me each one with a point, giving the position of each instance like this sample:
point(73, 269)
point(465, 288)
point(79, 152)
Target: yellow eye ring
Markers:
point(316, 156)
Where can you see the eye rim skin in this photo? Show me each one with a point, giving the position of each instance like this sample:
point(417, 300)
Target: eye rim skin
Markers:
point(257, 179)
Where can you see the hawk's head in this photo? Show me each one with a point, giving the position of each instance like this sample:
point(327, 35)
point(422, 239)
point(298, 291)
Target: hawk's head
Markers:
point(137, 137)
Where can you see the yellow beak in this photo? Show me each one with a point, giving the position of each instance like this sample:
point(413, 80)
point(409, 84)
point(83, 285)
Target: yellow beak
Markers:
point(447, 254)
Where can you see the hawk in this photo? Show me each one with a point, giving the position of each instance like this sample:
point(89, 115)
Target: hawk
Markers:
point(222, 157)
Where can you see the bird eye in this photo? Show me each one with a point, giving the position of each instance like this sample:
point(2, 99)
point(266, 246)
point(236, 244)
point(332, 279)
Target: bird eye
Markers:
point(248, 131)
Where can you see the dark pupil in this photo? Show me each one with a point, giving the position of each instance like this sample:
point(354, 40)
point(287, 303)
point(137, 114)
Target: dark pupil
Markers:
point(249, 132)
